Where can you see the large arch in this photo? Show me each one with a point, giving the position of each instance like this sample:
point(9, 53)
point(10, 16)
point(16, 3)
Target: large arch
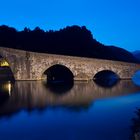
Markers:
point(58, 73)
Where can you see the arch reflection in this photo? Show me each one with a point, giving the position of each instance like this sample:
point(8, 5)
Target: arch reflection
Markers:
point(107, 83)
point(58, 88)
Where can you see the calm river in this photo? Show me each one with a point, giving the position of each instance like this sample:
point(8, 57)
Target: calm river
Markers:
point(82, 111)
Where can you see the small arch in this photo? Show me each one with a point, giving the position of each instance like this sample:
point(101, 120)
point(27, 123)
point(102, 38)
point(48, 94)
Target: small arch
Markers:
point(106, 78)
point(6, 73)
point(58, 73)
point(105, 74)
point(4, 63)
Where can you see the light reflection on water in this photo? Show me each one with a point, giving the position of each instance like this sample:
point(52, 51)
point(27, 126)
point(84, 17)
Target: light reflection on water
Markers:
point(84, 110)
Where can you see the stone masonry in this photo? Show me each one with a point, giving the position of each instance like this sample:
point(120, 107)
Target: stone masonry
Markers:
point(27, 65)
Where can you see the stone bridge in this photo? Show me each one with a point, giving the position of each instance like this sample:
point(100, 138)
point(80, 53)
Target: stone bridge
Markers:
point(27, 65)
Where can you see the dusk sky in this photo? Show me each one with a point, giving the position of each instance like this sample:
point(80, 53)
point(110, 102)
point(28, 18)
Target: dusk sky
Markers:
point(112, 22)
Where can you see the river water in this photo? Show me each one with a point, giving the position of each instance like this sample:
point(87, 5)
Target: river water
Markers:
point(31, 110)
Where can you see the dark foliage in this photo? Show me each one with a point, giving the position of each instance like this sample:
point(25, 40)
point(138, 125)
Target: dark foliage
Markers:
point(137, 54)
point(74, 41)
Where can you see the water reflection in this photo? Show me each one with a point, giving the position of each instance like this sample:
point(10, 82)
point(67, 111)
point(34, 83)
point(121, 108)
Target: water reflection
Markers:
point(107, 82)
point(5, 91)
point(58, 87)
point(34, 95)
point(136, 125)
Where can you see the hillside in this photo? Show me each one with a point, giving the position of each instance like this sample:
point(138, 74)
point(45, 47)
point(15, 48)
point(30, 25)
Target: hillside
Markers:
point(137, 54)
point(74, 41)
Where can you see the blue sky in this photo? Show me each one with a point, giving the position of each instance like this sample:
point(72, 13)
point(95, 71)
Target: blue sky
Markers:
point(112, 22)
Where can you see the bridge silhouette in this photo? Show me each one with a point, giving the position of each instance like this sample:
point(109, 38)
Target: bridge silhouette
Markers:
point(27, 65)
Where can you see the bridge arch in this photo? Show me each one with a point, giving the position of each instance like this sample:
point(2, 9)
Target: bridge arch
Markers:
point(58, 73)
point(106, 78)
point(106, 73)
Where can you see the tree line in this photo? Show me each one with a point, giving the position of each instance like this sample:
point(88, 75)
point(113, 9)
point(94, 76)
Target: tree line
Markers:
point(71, 40)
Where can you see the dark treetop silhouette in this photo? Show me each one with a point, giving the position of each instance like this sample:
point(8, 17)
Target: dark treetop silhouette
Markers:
point(74, 41)
point(137, 54)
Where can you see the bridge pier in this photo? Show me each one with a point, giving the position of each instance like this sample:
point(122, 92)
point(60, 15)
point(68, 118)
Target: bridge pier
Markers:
point(82, 77)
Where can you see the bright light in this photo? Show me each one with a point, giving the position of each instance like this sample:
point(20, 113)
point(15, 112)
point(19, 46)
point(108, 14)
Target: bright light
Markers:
point(9, 88)
point(4, 63)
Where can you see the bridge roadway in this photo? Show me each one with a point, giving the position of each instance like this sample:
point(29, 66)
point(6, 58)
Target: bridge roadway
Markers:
point(27, 65)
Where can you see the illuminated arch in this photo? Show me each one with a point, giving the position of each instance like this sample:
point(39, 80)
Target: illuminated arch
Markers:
point(4, 63)
point(6, 73)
